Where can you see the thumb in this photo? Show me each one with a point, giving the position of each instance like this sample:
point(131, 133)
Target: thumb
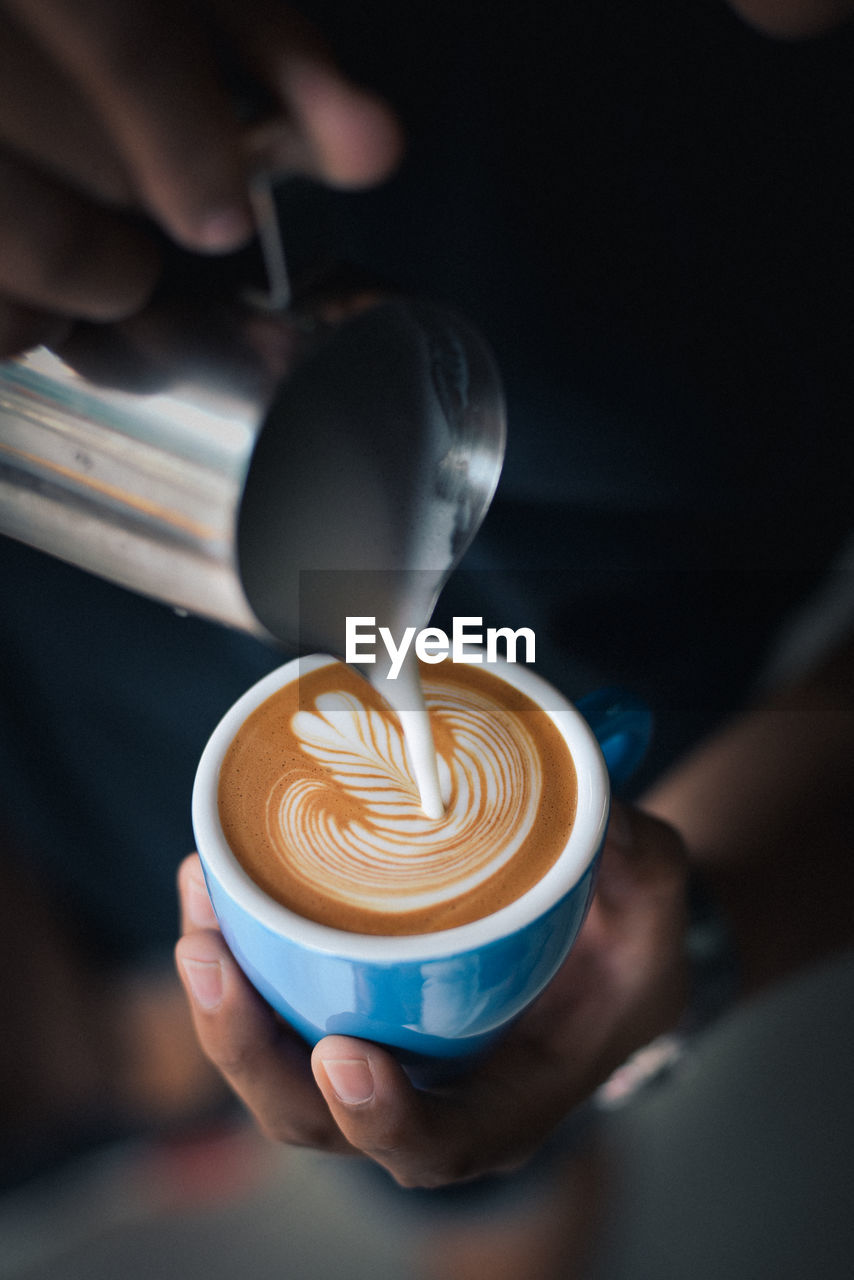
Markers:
point(413, 1134)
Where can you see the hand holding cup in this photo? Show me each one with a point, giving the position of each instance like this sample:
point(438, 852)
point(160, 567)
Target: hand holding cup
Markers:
point(623, 983)
point(383, 1011)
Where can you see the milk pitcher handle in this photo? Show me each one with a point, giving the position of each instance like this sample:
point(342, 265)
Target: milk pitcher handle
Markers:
point(622, 724)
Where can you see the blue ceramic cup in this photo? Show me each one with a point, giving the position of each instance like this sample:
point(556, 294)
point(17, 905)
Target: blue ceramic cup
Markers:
point(436, 996)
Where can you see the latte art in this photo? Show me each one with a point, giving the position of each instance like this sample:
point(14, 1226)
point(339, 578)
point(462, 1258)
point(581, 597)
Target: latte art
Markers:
point(319, 802)
point(381, 852)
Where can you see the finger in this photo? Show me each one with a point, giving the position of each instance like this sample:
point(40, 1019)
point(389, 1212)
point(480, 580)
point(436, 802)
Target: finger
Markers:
point(22, 328)
point(380, 1113)
point(794, 19)
point(330, 129)
point(640, 850)
point(264, 1062)
point(66, 255)
point(45, 118)
point(351, 138)
point(151, 71)
point(196, 909)
point(486, 1122)
point(630, 954)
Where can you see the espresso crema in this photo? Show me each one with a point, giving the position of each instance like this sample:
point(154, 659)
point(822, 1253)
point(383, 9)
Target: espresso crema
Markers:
point(318, 802)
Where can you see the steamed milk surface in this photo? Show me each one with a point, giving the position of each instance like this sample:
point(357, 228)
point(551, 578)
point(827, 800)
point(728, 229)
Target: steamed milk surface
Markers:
point(319, 801)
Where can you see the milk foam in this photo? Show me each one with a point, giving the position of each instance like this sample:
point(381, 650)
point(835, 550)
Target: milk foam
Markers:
point(382, 853)
point(318, 799)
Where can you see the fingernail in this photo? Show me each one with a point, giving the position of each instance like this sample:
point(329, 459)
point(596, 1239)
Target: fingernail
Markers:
point(204, 978)
point(351, 1079)
point(198, 905)
point(226, 228)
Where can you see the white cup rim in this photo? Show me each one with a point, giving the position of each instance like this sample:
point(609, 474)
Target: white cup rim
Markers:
point(574, 861)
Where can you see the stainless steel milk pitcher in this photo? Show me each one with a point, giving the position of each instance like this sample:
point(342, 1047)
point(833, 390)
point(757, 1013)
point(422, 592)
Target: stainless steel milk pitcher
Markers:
point(212, 455)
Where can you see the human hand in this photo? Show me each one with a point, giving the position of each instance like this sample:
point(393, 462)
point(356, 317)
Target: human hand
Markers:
point(622, 984)
point(794, 19)
point(116, 113)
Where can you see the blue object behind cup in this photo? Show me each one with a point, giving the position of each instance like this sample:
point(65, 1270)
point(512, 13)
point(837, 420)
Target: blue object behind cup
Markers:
point(623, 727)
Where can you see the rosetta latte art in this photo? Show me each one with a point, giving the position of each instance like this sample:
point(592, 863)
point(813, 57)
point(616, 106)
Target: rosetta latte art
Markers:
point(319, 803)
point(354, 830)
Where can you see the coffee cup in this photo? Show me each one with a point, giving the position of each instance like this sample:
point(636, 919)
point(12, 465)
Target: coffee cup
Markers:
point(447, 993)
